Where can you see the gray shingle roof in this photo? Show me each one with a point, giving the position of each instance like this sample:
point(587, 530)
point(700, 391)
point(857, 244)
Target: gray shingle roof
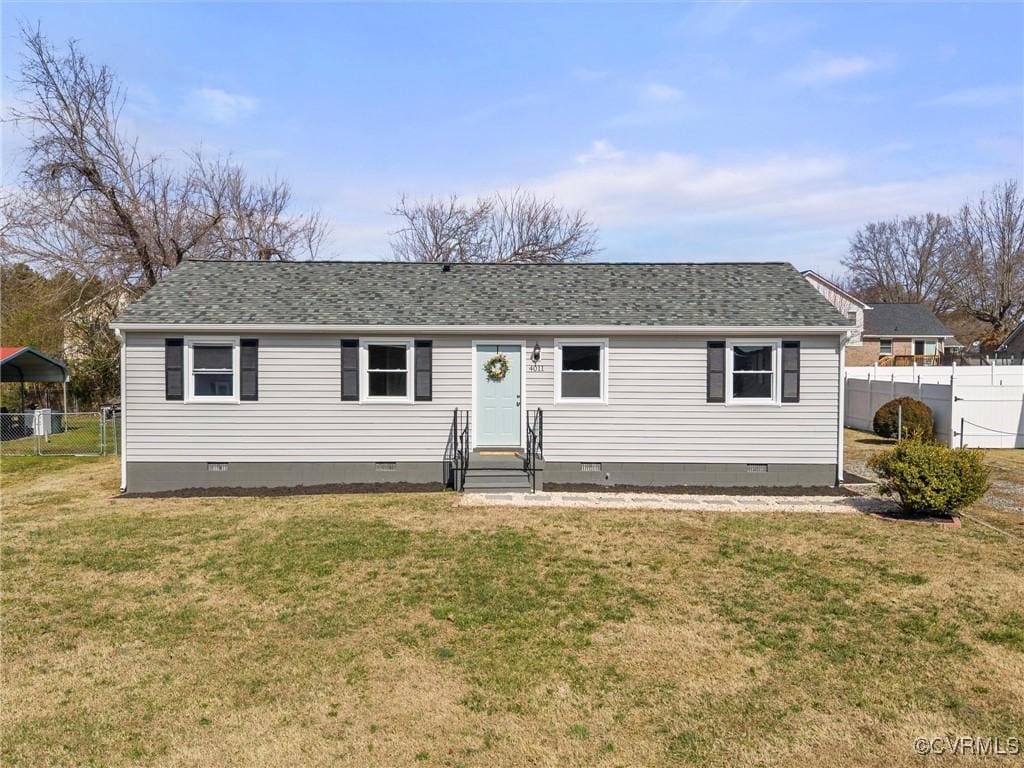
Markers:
point(394, 293)
point(902, 320)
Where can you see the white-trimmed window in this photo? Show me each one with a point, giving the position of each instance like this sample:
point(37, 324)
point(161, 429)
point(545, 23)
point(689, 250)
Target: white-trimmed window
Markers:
point(385, 370)
point(212, 369)
point(581, 370)
point(885, 346)
point(752, 371)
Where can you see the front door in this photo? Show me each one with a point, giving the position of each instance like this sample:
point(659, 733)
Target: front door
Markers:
point(498, 398)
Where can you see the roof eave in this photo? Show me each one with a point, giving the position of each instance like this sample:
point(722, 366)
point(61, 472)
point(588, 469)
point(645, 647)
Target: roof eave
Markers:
point(470, 329)
point(906, 335)
point(836, 288)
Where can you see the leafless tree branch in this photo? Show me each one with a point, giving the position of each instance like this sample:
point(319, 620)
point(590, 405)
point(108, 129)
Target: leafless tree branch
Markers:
point(514, 228)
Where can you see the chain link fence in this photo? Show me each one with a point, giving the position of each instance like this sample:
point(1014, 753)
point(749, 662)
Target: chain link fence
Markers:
point(49, 433)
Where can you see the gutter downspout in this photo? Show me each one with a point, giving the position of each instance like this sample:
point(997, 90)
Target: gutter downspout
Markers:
point(843, 341)
point(123, 338)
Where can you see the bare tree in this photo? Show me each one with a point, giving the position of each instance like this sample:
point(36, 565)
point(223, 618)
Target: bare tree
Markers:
point(902, 260)
point(514, 228)
point(253, 220)
point(94, 204)
point(986, 269)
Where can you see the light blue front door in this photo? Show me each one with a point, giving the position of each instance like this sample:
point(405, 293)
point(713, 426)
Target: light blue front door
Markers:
point(498, 401)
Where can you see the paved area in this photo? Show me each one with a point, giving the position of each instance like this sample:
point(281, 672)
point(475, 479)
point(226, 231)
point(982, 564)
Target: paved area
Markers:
point(683, 502)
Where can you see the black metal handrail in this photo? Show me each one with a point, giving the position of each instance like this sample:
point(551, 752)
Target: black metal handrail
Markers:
point(534, 444)
point(463, 457)
point(456, 452)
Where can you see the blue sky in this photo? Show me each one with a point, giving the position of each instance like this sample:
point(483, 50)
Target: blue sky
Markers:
point(688, 132)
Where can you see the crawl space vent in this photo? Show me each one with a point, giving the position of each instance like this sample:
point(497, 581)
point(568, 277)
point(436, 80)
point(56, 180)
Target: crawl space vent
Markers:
point(757, 467)
point(386, 466)
point(217, 466)
point(590, 467)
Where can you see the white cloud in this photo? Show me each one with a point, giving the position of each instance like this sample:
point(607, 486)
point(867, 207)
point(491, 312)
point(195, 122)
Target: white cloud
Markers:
point(218, 106)
point(665, 190)
point(660, 93)
point(984, 96)
point(834, 68)
point(600, 150)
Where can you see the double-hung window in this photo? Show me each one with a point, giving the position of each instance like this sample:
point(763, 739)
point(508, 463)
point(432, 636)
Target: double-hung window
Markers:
point(752, 371)
point(212, 369)
point(386, 367)
point(582, 374)
point(885, 346)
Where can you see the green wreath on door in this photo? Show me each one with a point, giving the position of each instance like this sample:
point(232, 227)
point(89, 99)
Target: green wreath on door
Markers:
point(496, 367)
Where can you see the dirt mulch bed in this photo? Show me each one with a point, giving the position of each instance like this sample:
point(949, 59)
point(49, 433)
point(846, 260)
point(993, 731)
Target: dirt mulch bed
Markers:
point(297, 490)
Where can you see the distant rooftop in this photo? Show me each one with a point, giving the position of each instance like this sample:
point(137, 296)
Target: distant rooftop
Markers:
point(902, 320)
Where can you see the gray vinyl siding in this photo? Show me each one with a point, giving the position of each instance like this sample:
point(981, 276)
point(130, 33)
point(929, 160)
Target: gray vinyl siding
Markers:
point(656, 409)
point(299, 414)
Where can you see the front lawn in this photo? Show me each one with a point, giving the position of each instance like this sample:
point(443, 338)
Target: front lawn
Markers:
point(399, 630)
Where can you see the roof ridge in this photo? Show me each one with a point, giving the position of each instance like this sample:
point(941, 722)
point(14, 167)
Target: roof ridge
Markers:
point(494, 264)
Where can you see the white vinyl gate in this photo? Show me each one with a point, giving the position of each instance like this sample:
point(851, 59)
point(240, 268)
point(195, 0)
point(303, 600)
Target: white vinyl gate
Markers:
point(977, 406)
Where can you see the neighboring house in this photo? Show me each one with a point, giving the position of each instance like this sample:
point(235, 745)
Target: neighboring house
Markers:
point(262, 374)
point(887, 334)
point(85, 319)
point(901, 334)
point(1013, 346)
point(851, 307)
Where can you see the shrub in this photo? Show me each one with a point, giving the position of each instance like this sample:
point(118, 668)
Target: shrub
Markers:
point(930, 478)
point(918, 423)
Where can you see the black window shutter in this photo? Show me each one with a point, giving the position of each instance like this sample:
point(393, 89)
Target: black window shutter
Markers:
point(424, 365)
point(716, 371)
point(350, 369)
point(791, 371)
point(174, 369)
point(250, 369)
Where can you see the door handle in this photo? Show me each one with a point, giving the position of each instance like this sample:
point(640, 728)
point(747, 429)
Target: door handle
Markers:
point(518, 397)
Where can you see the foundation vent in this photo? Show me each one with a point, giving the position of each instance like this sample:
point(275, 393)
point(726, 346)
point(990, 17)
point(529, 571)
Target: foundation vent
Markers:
point(386, 466)
point(590, 467)
point(217, 466)
point(757, 468)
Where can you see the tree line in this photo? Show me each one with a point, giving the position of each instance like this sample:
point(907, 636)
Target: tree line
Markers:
point(968, 267)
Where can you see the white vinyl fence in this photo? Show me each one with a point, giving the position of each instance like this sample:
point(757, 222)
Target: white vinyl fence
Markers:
point(975, 406)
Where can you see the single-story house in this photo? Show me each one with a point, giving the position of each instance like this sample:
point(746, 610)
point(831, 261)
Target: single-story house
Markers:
point(264, 374)
point(900, 334)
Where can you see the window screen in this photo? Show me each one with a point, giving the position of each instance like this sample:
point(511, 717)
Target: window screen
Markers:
point(752, 371)
point(581, 371)
point(387, 372)
point(212, 371)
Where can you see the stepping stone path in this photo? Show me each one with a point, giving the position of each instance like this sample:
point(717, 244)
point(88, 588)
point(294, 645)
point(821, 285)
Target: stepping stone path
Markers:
point(848, 505)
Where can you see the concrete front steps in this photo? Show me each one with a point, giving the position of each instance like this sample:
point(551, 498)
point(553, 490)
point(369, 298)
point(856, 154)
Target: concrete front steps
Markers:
point(493, 470)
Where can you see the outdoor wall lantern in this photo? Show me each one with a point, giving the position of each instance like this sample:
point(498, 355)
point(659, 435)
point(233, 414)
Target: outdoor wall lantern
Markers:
point(536, 353)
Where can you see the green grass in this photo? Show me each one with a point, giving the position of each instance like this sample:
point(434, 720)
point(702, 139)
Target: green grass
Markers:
point(398, 629)
point(25, 469)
